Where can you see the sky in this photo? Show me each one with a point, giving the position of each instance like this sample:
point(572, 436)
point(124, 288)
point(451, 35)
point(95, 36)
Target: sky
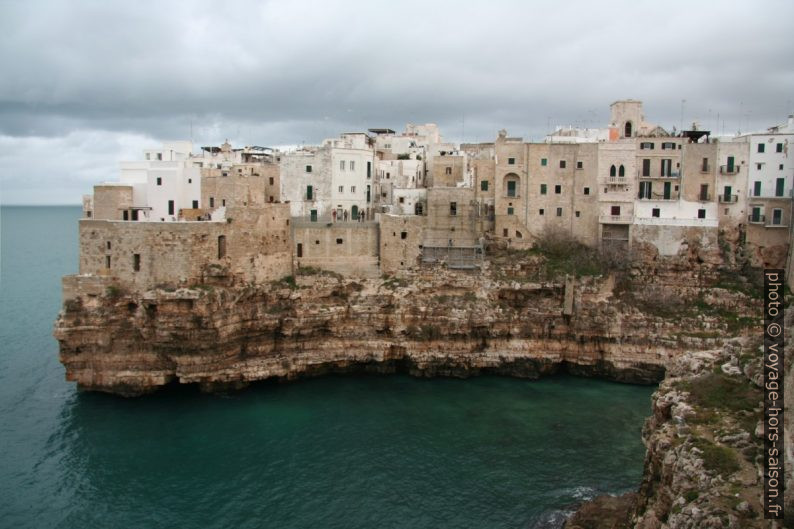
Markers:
point(86, 84)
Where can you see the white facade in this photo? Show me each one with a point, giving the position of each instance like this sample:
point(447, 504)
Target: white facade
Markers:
point(165, 182)
point(771, 169)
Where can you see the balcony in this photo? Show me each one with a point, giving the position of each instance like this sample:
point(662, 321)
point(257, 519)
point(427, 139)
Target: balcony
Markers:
point(658, 197)
point(725, 169)
point(705, 168)
point(615, 219)
point(673, 174)
point(704, 197)
point(729, 199)
point(756, 219)
point(617, 180)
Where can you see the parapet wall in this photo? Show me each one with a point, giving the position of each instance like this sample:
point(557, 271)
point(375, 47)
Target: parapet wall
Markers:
point(348, 248)
point(251, 245)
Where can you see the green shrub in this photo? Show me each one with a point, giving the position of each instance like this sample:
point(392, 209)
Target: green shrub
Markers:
point(719, 459)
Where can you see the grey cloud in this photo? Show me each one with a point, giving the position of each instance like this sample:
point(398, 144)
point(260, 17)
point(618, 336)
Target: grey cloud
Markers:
point(291, 72)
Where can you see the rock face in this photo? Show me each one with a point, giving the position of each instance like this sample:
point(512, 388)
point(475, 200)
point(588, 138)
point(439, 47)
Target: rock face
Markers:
point(441, 324)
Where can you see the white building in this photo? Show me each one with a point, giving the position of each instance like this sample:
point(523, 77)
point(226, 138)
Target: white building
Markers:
point(163, 183)
point(770, 172)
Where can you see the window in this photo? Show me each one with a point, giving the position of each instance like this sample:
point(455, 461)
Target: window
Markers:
point(777, 217)
point(780, 167)
point(704, 166)
point(655, 212)
point(159, 181)
point(511, 161)
point(341, 165)
point(221, 246)
point(136, 262)
point(646, 145)
point(309, 193)
point(614, 211)
point(484, 185)
point(613, 171)
point(645, 190)
point(403, 235)
point(189, 180)
point(313, 215)
point(667, 167)
point(308, 168)
point(577, 214)
point(759, 166)
point(300, 250)
point(540, 212)
point(755, 216)
point(579, 165)
point(542, 189)
point(779, 186)
point(107, 261)
point(223, 202)
point(761, 147)
point(341, 189)
point(668, 145)
point(622, 171)
point(453, 208)
point(271, 181)
point(562, 164)
point(779, 147)
point(402, 200)
point(170, 207)
point(195, 204)
point(731, 163)
point(627, 130)
point(646, 167)
point(448, 170)
point(544, 162)
point(352, 189)
point(125, 215)
point(339, 241)
point(352, 165)
point(701, 213)
point(511, 188)
point(704, 192)
point(148, 156)
point(159, 156)
point(557, 189)
point(509, 211)
point(559, 212)
point(757, 189)
point(586, 191)
point(369, 169)
point(212, 202)
point(107, 245)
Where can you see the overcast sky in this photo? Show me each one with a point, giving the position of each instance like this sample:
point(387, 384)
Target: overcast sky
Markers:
point(86, 84)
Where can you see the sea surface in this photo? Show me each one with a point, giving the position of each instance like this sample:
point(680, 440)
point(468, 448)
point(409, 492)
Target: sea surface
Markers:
point(335, 452)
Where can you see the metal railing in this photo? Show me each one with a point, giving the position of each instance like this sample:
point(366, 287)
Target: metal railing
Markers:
point(704, 197)
point(615, 219)
point(725, 169)
point(729, 199)
point(672, 174)
point(756, 219)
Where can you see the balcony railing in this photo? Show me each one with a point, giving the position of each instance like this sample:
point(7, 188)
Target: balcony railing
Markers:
point(704, 197)
point(724, 169)
point(658, 197)
point(617, 180)
point(729, 199)
point(756, 219)
point(705, 168)
point(673, 174)
point(615, 219)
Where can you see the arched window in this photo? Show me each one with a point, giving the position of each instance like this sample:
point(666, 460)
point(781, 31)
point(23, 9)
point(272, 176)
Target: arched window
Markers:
point(612, 171)
point(627, 130)
point(622, 171)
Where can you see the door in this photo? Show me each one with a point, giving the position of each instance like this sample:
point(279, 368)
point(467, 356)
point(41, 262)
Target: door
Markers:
point(314, 215)
point(511, 188)
point(777, 217)
point(779, 185)
point(300, 249)
point(309, 192)
point(730, 164)
point(727, 194)
point(667, 190)
point(354, 213)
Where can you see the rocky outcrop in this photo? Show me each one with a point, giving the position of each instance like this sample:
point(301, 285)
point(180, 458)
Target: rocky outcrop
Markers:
point(434, 324)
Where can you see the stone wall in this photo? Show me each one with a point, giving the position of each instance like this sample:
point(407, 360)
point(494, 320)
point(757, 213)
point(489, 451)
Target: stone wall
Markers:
point(401, 240)
point(243, 185)
point(111, 200)
point(348, 248)
point(251, 245)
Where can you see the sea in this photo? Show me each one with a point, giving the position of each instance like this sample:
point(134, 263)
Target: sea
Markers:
point(335, 452)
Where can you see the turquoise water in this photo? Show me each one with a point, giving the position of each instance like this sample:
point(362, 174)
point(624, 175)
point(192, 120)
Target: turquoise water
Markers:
point(336, 452)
